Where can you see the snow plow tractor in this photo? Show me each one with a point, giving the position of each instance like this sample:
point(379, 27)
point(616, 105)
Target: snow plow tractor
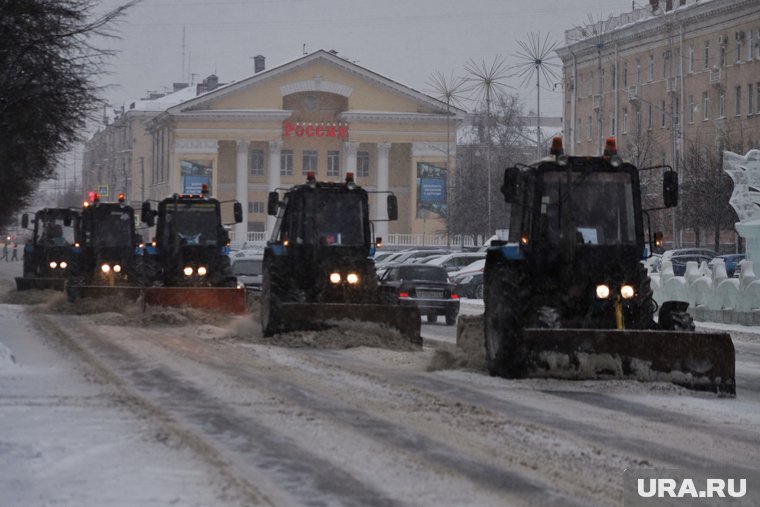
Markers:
point(188, 263)
point(318, 266)
point(567, 296)
point(48, 254)
point(107, 261)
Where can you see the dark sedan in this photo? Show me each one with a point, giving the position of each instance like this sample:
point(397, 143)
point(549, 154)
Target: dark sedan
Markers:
point(424, 286)
point(469, 285)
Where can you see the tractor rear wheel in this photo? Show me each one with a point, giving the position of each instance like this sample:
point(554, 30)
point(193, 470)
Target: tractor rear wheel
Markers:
point(503, 323)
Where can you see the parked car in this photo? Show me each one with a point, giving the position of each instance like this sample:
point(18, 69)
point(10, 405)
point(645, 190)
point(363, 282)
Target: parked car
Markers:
point(469, 285)
point(455, 261)
point(679, 262)
point(732, 262)
point(383, 256)
point(669, 254)
point(417, 255)
point(426, 287)
point(248, 269)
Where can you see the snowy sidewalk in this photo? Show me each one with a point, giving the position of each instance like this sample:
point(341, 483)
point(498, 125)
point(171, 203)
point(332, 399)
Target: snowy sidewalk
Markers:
point(66, 438)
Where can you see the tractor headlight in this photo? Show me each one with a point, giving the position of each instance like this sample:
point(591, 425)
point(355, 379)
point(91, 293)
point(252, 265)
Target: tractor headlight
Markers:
point(602, 291)
point(63, 265)
point(105, 268)
point(627, 291)
point(53, 265)
point(352, 278)
point(202, 271)
point(188, 271)
point(335, 278)
point(116, 268)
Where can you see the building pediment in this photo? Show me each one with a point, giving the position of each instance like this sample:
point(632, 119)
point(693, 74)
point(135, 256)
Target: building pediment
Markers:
point(320, 72)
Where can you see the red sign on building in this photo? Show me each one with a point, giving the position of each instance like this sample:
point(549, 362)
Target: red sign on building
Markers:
point(336, 130)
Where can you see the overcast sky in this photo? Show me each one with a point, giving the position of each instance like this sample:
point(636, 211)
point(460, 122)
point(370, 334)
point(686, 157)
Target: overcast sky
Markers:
point(405, 40)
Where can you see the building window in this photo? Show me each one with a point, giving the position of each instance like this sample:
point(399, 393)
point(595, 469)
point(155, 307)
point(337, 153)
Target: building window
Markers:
point(757, 97)
point(625, 74)
point(286, 163)
point(705, 106)
point(590, 128)
point(579, 131)
point(750, 45)
point(691, 59)
point(749, 99)
point(721, 103)
point(362, 164)
point(722, 53)
point(649, 117)
point(333, 163)
point(662, 114)
point(690, 112)
point(624, 126)
point(255, 207)
point(638, 71)
point(664, 65)
point(256, 162)
point(650, 68)
point(738, 101)
point(638, 122)
point(613, 76)
point(309, 162)
point(739, 37)
point(706, 56)
point(612, 124)
point(591, 84)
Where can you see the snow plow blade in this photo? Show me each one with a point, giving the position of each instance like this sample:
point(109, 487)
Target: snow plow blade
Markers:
point(74, 292)
point(23, 283)
point(305, 316)
point(222, 299)
point(699, 361)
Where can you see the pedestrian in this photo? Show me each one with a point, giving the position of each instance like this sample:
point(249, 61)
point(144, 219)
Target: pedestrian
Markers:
point(5, 252)
point(15, 252)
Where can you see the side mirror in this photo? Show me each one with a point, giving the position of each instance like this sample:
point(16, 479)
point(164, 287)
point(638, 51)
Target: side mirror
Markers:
point(24, 221)
point(511, 184)
point(238, 212)
point(146, 214)
point(670, 189)
point(392, 204)
point(273, 203)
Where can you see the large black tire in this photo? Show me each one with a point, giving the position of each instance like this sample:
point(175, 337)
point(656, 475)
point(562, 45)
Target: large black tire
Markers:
point(432, 318)
point(504, 356)
point(645, 305)
point(451, 318)
point(275, 289)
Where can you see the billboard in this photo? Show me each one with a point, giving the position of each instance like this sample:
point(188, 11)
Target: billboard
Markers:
point(432, 181)
point(194, 174)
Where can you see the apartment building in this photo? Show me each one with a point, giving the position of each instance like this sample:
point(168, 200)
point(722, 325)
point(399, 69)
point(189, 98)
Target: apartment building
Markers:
point(664, 79)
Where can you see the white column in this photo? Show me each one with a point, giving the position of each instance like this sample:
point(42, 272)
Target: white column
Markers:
point(273, 175)
point(381, 228)
point(241, 189)
point(349, 157)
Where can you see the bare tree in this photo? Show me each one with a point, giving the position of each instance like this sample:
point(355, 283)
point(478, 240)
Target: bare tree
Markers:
point(509, 143)
point(487, 81)
point(706, 190)
point(48, 71)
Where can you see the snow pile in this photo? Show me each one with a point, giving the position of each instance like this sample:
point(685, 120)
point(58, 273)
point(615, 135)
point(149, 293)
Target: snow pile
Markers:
point(7, 359)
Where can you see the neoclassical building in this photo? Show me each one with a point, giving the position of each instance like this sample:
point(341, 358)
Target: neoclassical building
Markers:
point(318, 113)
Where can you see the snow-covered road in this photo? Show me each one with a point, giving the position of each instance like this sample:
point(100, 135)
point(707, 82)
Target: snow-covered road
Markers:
point(115, 407)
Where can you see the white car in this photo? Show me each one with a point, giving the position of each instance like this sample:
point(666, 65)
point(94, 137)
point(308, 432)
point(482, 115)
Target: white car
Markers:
point(248, 268)
point(455, 261)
